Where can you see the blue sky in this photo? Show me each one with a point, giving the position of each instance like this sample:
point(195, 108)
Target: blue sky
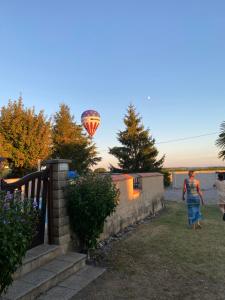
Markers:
point(106, 54)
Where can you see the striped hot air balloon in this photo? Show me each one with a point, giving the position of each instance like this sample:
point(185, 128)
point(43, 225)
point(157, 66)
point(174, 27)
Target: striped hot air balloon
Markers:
point(90, 120)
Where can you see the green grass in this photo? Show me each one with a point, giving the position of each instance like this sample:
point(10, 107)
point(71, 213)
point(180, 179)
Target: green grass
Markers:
point(164, 259)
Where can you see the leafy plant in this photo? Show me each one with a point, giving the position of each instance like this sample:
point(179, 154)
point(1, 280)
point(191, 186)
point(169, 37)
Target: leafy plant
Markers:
point(17, 220)
point(220, 142)
point(166, 178)
point(90, 200)
point(25, 136)
point(100, 170)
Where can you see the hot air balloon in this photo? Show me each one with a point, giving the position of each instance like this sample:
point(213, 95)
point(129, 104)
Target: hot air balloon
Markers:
point(90, 120)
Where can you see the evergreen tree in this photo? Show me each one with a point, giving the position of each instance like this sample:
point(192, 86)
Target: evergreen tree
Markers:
point(71, 143)
point(25, 136)
point(138, 152)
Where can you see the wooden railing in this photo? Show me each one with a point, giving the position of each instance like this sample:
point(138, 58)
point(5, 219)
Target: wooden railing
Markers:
point(34, 186)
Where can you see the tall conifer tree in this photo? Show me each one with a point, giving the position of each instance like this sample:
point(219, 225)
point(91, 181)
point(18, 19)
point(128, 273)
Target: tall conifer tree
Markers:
point(71, 143)
point(138, 152)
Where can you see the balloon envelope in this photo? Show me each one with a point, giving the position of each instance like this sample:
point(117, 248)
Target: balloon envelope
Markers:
point(90, 120)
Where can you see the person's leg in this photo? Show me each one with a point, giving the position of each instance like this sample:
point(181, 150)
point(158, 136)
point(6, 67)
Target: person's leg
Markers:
point(198, 216)
point(224, 212)
point(199, 225)
point(222, 209)
point(221, 206)
point(189, 215)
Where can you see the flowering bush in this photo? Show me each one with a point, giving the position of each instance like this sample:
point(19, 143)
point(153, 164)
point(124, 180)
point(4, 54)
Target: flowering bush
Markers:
point(91, 199)
point(17, 223)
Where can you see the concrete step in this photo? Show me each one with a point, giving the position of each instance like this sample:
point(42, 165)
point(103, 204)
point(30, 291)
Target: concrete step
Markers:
point(38, 281)
point(68, 288)
point(37, 257)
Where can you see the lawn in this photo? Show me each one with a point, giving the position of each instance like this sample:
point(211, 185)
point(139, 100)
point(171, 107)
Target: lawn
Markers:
point(164, 259)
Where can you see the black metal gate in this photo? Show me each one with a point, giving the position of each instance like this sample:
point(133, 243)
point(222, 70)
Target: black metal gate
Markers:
point(34, 186)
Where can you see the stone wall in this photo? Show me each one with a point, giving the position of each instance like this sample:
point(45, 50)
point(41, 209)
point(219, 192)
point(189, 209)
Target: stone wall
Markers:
point(60, 229)
point(134, 204)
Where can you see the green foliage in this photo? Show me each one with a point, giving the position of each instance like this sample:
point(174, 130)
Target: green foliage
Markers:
point(220, 142)
point(90, 200)
point(100, 170)
point(71, 143)
point(4, 173)
point(166, 178)
point(17, 220)
point(25, 136)
point(138, 152)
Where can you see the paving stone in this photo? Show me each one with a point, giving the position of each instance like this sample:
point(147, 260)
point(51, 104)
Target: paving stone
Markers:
point(75, 282)
point(72, 285)
point(40, 250)
point(59, 273)
point(38, 276)
point(17, 290)
point(82, 278)
point(58, 293)
point(57, 266)
point(72, 257)
point(90, 272)
point(36, 257)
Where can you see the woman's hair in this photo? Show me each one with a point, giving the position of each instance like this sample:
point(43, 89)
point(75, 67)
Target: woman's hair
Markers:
point(191, 173)
point(220, 176)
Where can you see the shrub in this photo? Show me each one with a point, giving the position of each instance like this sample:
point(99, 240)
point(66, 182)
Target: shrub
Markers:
point(90, 200)
point(17, 220)
point(166, 178)
point(4, 173)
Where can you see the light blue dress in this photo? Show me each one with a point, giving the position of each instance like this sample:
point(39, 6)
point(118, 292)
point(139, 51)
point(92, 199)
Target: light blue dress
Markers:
point(193, 202)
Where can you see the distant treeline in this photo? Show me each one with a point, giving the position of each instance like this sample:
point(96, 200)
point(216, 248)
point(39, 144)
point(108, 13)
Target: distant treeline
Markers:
point(194, 168)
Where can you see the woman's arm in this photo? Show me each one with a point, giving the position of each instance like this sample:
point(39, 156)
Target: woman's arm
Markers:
point(200, 193)
point(184, 190)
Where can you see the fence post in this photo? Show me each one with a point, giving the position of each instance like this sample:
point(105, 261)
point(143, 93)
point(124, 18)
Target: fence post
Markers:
point(59, 230)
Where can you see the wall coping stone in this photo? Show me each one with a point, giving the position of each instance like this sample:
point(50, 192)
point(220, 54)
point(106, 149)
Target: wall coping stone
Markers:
point(121, 177)
point(153, 174)
point(57, 161)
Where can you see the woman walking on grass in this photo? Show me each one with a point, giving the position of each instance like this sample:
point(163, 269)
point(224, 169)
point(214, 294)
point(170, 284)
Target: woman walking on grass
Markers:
point(194, 195)
point(220, 186)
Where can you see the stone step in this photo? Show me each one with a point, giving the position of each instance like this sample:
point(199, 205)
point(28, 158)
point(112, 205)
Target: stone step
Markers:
point(37, 257)
point(38, 281)
point(68, 288)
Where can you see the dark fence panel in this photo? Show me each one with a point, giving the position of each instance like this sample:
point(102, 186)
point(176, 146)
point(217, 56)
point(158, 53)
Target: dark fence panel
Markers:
point(34, 186)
